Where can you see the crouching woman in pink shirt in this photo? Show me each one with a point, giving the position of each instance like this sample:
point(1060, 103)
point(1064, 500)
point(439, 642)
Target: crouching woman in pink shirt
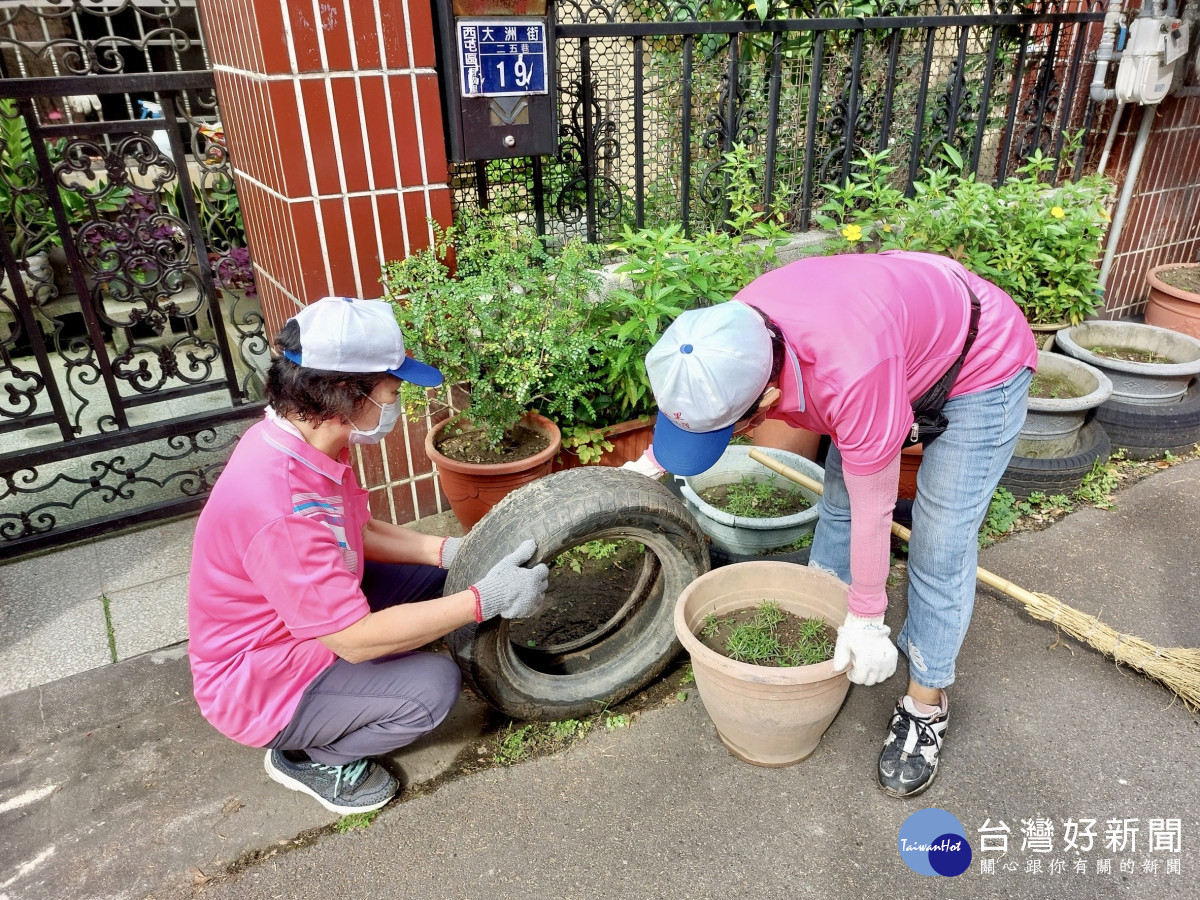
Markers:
point(849, 346)
point(303, 611)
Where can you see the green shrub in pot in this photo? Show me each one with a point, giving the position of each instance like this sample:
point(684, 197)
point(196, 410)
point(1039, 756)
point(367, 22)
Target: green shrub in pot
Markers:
point(1039, 242)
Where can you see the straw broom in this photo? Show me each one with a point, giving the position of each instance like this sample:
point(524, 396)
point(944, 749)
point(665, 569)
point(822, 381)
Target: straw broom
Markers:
point(1176, 668)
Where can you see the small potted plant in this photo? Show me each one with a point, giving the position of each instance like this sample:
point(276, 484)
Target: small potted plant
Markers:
point(768, 715)
point(1175, 297)
point(513, 324)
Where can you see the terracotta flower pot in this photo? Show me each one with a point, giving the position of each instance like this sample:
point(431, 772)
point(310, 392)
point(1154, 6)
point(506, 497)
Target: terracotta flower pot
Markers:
point(629, 439)
point(474, 488)
point(765, 715)
point(1172, 307)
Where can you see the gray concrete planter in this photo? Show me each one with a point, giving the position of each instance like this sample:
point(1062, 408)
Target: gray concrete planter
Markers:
point(1144, 384)
point(1051, 429)
point(743, 535)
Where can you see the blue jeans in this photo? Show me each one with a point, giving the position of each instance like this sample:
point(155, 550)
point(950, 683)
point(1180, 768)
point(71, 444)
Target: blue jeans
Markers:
point(959, 471)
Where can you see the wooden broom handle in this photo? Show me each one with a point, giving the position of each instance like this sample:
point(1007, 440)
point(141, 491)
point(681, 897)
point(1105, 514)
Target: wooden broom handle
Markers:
point(989, 578)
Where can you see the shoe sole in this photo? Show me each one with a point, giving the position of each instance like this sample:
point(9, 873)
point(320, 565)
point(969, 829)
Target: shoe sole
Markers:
point(293, 784)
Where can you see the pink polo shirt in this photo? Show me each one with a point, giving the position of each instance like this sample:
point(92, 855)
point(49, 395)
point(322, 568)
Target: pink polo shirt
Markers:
point(872, 332)
point(276, 564)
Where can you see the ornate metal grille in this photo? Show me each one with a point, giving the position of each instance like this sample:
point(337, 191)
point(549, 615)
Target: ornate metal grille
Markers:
point(132, 346)
point(653, 93)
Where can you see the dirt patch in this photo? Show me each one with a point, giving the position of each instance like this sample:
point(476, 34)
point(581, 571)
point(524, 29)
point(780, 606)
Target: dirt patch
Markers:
point(1127, 354)
point(469, 446)
point(1186, 278)
point(767, 635)
point(1053, 387)
point(588, 585)
point(755, 500)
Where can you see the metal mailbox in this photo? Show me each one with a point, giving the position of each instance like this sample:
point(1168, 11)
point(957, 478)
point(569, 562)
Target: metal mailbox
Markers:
point(498, 78)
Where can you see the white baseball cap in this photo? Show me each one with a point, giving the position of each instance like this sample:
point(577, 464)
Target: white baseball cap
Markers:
point(706, 370)
point(343, 334)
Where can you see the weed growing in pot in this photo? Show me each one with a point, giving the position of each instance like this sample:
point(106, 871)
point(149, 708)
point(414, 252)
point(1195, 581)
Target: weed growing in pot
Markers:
point(755, 499)
point(768, 635)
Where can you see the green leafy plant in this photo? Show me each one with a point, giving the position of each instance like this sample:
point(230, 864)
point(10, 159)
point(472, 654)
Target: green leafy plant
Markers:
point(517, 325)
point(596, 550)
point(25, 211)
point(665, 271)
point(1037, 241)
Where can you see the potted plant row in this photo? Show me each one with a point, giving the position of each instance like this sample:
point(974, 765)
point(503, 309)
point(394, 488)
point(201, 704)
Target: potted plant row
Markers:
point(539, 345)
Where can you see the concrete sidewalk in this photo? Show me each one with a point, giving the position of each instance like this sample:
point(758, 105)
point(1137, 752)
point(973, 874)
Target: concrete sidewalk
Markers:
point(112, 786)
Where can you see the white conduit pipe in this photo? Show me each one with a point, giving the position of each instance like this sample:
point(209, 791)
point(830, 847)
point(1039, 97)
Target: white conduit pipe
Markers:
point(1112, 136)
point(1104, 53)
point(1135, 164)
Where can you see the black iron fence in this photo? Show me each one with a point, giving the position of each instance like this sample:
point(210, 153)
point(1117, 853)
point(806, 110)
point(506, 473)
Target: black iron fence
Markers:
point(131, 342)
point(653, 95)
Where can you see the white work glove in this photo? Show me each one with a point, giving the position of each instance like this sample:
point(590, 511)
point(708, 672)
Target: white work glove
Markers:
point(83, 104)
point(646, 465)
point(449, 550)
point(509, 589)
point(866, 641)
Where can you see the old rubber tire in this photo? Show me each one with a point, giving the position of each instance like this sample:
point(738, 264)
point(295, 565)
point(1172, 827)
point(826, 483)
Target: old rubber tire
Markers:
point(1145, 432)
point(562, 511)
point(1061, 475)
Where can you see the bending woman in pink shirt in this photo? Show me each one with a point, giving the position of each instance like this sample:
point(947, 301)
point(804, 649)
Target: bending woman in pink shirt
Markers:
point(846, 346)
point(303, 610)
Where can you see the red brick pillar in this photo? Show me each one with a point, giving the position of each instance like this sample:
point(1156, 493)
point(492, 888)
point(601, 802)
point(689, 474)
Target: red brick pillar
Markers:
point(332, 113)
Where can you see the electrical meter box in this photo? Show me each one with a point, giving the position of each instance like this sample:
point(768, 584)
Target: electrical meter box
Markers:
point(498, 78)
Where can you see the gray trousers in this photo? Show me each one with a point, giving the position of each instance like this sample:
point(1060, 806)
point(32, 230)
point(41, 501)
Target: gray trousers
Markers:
point(354, 710)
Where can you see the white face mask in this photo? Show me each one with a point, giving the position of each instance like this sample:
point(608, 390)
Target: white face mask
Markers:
point(389, 414)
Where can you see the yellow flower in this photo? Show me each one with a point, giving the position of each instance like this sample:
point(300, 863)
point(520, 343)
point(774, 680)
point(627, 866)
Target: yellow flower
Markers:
point(852, 233)
point(887, 227)
point(1057, 212)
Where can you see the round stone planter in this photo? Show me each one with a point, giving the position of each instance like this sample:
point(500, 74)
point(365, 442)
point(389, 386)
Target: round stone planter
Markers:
point(765, 715)
point(743, 535)
point(1052, 424)
point(1141, 383)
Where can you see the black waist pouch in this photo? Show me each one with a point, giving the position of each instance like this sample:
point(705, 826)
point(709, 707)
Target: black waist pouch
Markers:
point(928, 419)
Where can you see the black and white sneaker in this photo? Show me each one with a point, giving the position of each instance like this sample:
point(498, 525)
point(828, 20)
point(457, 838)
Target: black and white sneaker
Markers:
point(356, 787)
point(909, 760)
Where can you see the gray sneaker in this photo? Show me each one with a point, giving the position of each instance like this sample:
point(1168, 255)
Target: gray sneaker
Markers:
point(356, 787)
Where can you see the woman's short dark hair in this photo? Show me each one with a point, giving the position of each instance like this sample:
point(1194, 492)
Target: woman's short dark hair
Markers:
point(314, 395)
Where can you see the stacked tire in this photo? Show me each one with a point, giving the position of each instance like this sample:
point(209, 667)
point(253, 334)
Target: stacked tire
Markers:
point(1146, 432)
point(1058, 475)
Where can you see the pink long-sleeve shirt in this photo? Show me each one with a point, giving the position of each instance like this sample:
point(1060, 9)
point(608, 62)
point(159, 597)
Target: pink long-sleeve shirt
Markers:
point(867, 335)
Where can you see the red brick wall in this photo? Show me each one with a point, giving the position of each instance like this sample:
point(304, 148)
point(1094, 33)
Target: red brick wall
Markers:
point(1163, 221)
point(333, 117)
